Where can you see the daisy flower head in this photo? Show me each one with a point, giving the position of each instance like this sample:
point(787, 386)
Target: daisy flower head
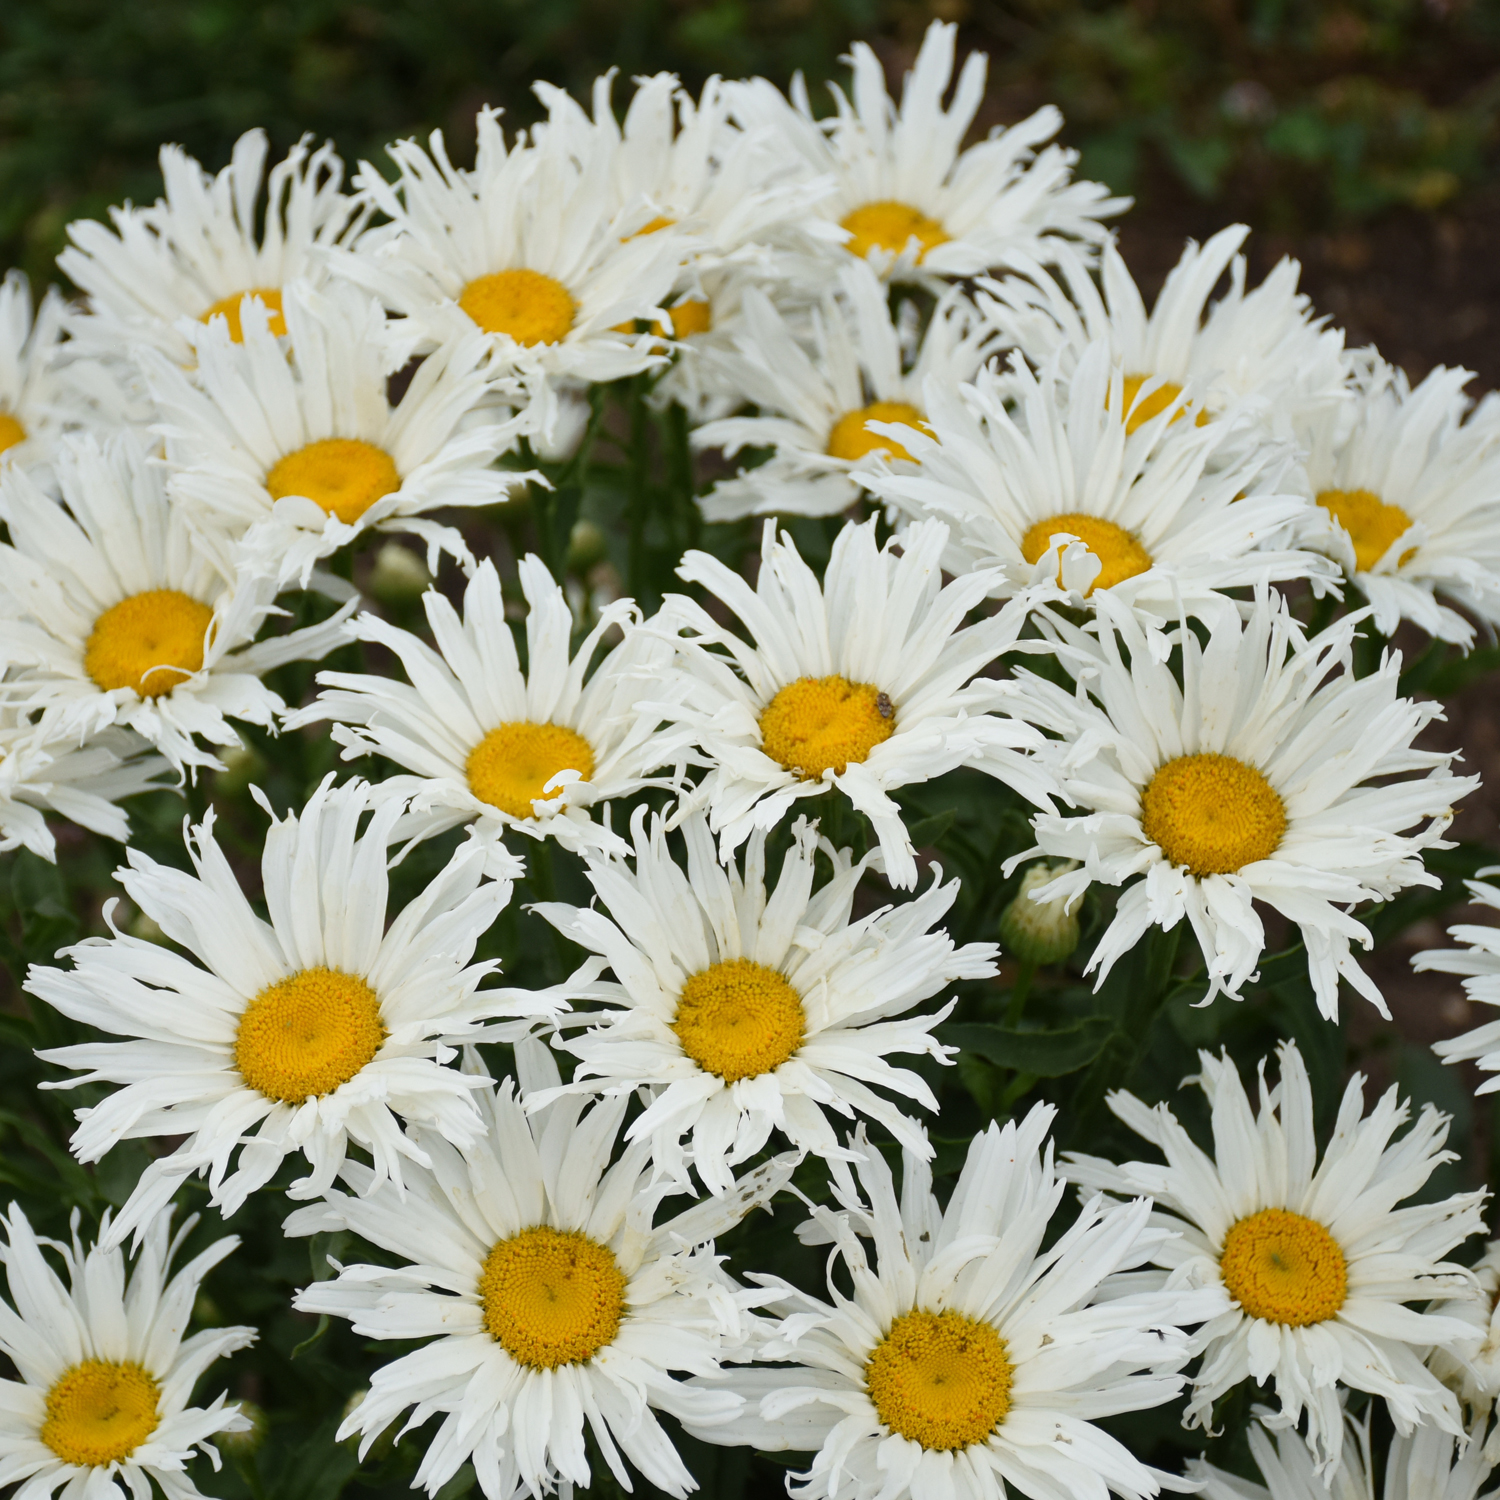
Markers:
point(1248, 780)
point(299, 455)
point(859, 685)
point(1259, 358)
point(1312, 1263)
point(127, 616)
point(909, 199)
point(1478, 962)
point(101, 1407)
point(301, 1034)
point(744, 1009)
point(1472, 1368)
point(498, 747)
point(33, 396)
point(1056, 488)
point(550, 1294)
point(969, 1360)
point(1408, 501)
point(212, 241)
point(815, 403)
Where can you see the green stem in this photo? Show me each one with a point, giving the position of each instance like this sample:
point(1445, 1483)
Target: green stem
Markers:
point(680, 469)
point(1025, 972)
point(639, 493)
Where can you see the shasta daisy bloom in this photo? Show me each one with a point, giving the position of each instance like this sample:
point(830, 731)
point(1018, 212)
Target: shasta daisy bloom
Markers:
point(1408, 501)
point(745, 1010)
point(1478, 962)
point(102, 1404)
point(300, 1034)
point(128, 617)
point(491, 745)
point(1270, 773)
point(197, 253)
point(548, 1294)
point(299, 455)
point(33, 397)
point(1312, 1263)
point(908, 198)
point(1472, 1367)
point(1059, 489)
point(814, 406)
point(858, 686)
point(969, 1361)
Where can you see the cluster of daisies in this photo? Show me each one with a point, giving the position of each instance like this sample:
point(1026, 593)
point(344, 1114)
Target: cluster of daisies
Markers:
point(1121, 562)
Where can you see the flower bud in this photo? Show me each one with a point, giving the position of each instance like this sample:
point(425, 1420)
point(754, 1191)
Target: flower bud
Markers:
point(1040, 932)
point(399, 575)
point(242, 1442)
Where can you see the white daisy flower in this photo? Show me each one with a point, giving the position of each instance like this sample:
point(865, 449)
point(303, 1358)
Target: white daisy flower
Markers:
point(1408, 501)
point(814, 404)
point(306, 453)
point(1472, 1367)
point(1249, 780)
point(1059, 489)
point(860, 685)
point(127, 617)
point(210, 243)
point(83, 783)
point(101, 1407)
point(745, 1010)
point(1260, 355)
point(33, 398)
point(493, 746)
point(909, 199)
point(300, 1034)
point(969, 1360)
point(549, 1295)
point(1312, 1264)
point(1478, 962)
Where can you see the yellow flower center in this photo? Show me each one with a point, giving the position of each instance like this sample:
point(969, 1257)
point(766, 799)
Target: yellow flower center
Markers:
point(851, 439)
point(1154, 404)
point(1119, 553)
point(739, 1019)
point(229, 308)
point(528, 306)
point(551, 1297)
point(691, 315)
point(889, 225)
point(1212, 813)
point(511, 766)
point(819, 724)
point(940, 1379)
point(1371, 523)
point(11, 431)
point(149, 642)
point(661, 221)
point(1284, 1268)
point(100, 1412)
point(345, 476)
point(305, 1036)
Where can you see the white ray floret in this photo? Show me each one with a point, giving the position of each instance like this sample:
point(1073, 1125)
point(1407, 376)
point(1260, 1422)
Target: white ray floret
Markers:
point(489, 744)
point(969, 1361)
point(1478, 962)
point(35, 402)
point(1472, 1368)
point(298, 1035)
point(549, 1296)
point(858, 686)
point(745, 1009)
point(103, 1403)
point(1312, 1263)
point(128, 616)
point(1252, 779)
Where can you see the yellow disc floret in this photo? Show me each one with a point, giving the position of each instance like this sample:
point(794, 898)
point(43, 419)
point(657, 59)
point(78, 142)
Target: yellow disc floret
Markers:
point(691, 315)
point(889, 225)
point(229, 309)
point(739, 1019)
point(1212, 813)
point(1371, 523)
point(100, 1412)
point(345, 476)
point(551, 1297)
point(1154, 404)
point(819, 724)
point(941, 1379)
point(303, 1037)
point(11, 431)
point(149, 642)
point(511, 766)
point(661, 221)
point(851, 439)
point(1120, 554)
point(528, 306)
point(1284, 1268)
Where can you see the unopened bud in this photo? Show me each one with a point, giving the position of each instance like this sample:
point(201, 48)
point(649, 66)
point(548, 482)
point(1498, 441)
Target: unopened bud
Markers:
point(399, 575)
point(242, 1442)
point(1040, 932)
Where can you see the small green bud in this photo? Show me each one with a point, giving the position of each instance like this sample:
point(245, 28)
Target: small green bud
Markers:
point(1040, 932)
point(241, 766)
point(586, 546)
point(246, 1440)
point(399, 575)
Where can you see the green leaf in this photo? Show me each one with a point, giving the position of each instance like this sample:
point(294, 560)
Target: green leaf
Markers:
point(928, 831)
point(1047, 1054)
point(314, 1338)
